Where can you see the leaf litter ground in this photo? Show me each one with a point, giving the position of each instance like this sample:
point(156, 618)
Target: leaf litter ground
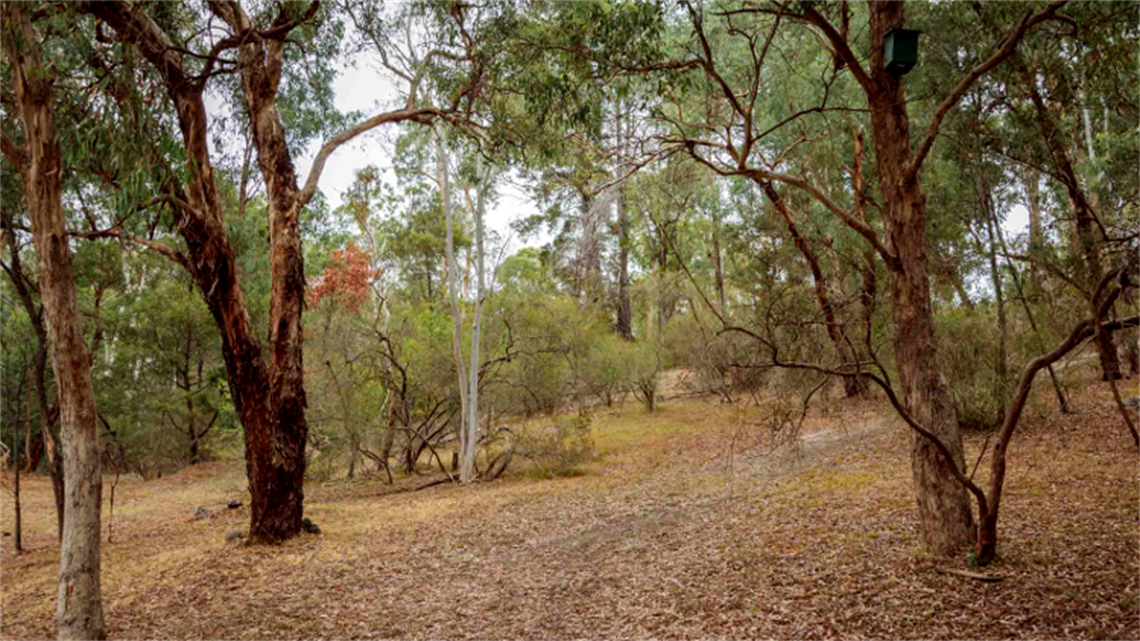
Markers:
point(679, 530)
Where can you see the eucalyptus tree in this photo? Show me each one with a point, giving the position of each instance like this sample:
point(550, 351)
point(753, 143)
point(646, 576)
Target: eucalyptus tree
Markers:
point(719, 68)
point(269, 51)
point(39, 159)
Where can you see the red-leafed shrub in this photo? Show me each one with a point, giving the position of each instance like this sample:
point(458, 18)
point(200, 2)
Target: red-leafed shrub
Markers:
point(347, 280)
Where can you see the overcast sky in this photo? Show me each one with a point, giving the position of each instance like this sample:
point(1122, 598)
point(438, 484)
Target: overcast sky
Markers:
point(362, 88)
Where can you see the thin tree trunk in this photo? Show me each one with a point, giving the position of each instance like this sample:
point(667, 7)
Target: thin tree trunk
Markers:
point(853, 384)
point(467, 464)
point(1029, 315)
point(79, 603)
point(1001, 361)
point(54, 448)
point(453, 292)
point(718, 265)
point(33, 444)
point(1089, 255)
point(625, 306)
point(16, 467)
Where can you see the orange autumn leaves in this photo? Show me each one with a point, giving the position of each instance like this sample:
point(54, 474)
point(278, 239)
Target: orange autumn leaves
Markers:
point(347, 280)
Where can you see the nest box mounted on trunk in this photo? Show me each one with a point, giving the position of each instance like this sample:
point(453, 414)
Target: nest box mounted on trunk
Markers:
point(900, 50)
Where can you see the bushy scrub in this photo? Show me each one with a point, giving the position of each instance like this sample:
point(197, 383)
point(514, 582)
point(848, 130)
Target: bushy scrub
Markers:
point(558, 447)
point(643, 369)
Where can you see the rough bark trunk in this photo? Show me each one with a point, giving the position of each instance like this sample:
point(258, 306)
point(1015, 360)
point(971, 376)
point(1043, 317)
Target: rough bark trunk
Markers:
point(944, 509)
point(277, 458)
point(79, 608)
point(275, 498)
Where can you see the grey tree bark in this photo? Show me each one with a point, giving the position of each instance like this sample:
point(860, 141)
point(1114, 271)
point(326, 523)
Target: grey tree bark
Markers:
point(453, 295)
point(467, 456)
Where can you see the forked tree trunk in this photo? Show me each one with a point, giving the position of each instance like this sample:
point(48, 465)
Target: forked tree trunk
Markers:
point(79, 607)
point(944, 508)
point(277, 458)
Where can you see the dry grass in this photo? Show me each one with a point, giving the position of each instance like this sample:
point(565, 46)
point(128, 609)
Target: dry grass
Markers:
point(664, 536)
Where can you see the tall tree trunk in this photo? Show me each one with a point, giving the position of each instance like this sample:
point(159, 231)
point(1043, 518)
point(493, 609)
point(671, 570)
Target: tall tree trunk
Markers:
point(624, 306)
point(853, 384)
point(467, 464)
point(278, 459)
point(944, 509)
point(79, 606)
point(274, 472)
point(453, 294)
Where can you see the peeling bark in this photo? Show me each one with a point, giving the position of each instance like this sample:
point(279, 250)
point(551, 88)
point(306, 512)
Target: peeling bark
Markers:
point(79, 608)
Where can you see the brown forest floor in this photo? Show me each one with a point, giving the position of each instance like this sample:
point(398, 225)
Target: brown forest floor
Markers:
point(660, 538)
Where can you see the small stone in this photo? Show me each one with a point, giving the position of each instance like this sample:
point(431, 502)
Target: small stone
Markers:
point(201, 513)
point(234, 535)
point(309, 526)
point(233, 504)
point(1132, 402)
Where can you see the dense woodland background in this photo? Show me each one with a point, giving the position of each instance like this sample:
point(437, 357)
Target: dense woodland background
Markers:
point(735, 200)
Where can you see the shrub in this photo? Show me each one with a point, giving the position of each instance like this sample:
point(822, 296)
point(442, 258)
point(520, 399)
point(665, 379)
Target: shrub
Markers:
point(556, 448)
point(643, 368)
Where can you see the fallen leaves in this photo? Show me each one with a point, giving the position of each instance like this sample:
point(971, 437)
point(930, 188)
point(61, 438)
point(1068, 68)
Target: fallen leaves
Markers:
point(661, 538)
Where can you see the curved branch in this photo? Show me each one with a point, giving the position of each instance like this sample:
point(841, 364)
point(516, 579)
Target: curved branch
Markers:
point(422, 116)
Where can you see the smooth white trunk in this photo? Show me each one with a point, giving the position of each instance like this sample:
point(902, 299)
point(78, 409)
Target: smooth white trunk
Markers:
point(453, 294)
point(467, 455)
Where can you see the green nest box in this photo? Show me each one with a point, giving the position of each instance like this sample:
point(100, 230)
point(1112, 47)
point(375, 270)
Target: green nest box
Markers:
point(900, 50)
